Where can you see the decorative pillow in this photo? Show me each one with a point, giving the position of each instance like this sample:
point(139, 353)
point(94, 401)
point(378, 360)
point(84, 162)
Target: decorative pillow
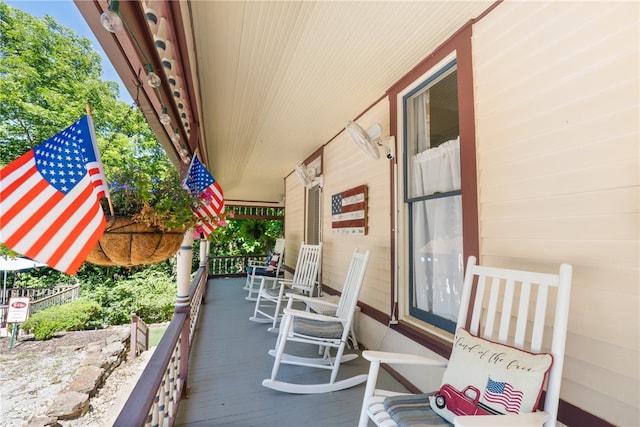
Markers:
point(259, 270)
point(485, 377)
point(273, 262)
point(268, 260)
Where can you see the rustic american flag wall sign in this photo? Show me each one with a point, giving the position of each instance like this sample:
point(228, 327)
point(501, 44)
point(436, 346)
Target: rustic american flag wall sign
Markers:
point(349, 211)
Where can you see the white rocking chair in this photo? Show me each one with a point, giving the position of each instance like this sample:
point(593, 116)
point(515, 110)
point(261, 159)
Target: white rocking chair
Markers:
point(326, 331)
point(492, 324)
point(269, 271)
point(305, 280)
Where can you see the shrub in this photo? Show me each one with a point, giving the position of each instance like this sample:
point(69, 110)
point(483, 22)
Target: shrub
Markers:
point(73, 316)
point(150, 293)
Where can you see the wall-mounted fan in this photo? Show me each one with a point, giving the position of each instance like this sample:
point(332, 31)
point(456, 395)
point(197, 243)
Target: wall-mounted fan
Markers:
point(370, 140)
point(307, 176)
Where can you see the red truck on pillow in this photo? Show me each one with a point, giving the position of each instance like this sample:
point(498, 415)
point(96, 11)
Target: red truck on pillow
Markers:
point(465, 402)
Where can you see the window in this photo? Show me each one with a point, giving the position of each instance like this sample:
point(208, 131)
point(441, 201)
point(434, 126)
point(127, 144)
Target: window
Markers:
point(313, 228)
point(433, 193)
point(314, 197)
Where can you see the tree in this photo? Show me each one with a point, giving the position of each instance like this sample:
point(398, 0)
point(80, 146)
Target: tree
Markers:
point(47, 76)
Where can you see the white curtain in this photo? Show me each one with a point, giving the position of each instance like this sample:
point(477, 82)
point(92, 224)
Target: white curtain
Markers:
point(437, 225)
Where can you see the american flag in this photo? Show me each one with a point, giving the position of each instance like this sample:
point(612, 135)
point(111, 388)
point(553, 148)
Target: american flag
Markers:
point(349, 211)
point(83, 129)
point(209, 204)
point(504, 394)
point(49, 211)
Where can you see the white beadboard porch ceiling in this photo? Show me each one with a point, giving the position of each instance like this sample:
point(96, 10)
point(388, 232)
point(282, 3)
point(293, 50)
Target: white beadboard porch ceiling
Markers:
point(276, 80)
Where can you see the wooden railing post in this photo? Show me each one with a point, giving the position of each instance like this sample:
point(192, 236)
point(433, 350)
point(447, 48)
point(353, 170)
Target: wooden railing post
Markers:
point(205, 246)
point(139, 339)
point(133, 351)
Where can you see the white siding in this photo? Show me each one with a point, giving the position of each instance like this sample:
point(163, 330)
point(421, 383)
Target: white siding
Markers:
point(293, 219)
point(557, 146)
point(345, 167)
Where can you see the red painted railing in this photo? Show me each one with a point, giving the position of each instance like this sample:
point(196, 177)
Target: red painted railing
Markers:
point(155, 398)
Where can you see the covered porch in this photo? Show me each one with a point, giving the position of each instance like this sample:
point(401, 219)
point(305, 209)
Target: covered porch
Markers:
point(207, 369)
point(228, 361)
point(262, 90)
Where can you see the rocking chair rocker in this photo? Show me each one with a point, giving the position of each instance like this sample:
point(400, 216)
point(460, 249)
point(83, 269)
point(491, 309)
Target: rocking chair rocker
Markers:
point(326, 331)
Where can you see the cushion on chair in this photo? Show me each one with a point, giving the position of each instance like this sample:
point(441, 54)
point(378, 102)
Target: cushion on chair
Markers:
point(260, 271)
point(317, 328)
point(483, 376)
point(412, 410)
point(272, 263)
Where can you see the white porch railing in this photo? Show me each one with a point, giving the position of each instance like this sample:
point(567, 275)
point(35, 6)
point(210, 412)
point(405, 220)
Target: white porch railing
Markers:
point(232, 265)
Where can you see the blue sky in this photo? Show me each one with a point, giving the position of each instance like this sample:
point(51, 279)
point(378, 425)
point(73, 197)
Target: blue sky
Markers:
point(67, 14)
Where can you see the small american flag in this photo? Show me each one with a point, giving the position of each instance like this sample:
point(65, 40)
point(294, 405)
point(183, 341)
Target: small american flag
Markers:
point(209, 204)
point(504, 394)
point(349, 211)
point(82, 132)
point(49, 211)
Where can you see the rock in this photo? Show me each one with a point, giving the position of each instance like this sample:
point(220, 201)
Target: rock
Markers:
point(95, 359)
point(43, 422)
point(120, 335)
point(86, 380)
point(95, 347)
point(72, 347)
point(51, 380)
point(69, 405)
point(114, 348)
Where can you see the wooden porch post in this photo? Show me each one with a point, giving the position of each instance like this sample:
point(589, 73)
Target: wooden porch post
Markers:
point(204, 252)
point(185, 258)
point(205, 246)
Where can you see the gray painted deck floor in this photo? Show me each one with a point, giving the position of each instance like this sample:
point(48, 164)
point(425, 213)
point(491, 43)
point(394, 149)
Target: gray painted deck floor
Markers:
point(229, 360)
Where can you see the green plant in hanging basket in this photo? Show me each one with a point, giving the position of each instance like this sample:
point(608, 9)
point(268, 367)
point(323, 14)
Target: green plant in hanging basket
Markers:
point(148, 215)
point(157, 201)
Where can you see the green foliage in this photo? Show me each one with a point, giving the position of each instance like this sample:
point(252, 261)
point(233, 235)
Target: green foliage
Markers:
point(42, 278)
point(246, 237)
point(149, 292)
point(74, 316)
point(147, 189)
point(47, 76)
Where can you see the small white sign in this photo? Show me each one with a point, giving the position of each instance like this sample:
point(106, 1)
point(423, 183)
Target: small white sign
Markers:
point(18, 310)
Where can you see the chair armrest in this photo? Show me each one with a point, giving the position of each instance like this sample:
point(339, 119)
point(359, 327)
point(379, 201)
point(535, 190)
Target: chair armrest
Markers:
point(265, 279)
point(313, 316)
point(401, 358)
point(524, 420)
point(307, 299)
point(290, 282)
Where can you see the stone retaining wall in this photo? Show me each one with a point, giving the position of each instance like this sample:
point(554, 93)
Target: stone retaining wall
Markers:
point(102, 358)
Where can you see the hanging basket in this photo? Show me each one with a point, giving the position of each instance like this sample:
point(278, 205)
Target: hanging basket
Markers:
point(127, 243)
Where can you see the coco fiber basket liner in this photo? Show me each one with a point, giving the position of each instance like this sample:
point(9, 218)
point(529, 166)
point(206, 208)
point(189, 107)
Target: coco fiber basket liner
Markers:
point(127, 243)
